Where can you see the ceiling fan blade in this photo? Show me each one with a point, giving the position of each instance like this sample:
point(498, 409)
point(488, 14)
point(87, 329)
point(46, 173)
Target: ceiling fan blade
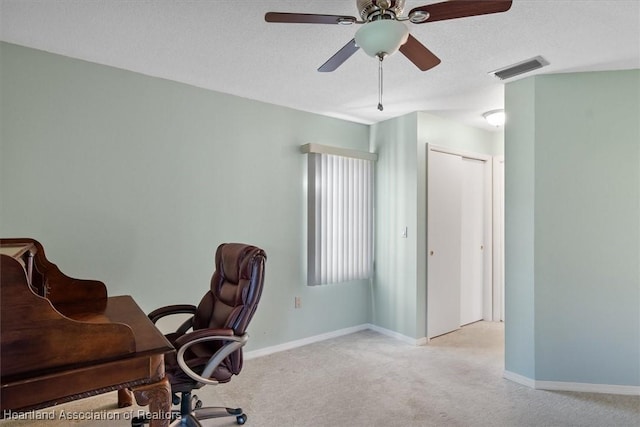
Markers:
point(340, 56)
point(308, 18)
point(417, 53)
point(453, 9)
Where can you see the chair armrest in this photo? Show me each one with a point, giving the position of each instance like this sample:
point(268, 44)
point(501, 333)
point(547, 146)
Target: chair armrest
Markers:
point(202, 333)
point(234, 342)
point(168, 310)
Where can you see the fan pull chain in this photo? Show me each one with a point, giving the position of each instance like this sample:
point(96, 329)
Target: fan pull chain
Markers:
point(380, 107)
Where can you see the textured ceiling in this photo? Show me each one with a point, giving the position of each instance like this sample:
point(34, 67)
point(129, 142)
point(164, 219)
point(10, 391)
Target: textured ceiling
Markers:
point(226, 46)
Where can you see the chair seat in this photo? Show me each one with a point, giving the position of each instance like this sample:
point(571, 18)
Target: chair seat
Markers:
point(181, 382)
point(197, 357)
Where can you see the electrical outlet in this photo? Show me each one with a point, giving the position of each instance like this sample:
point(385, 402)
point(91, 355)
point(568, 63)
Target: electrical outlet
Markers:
point(297, 302)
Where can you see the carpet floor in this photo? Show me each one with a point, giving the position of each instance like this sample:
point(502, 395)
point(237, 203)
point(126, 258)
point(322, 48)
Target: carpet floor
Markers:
point(369, 379)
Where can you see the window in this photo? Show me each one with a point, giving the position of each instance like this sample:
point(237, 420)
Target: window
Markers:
point(340, 214)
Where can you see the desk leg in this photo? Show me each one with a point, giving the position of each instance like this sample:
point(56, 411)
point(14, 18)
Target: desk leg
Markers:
point(125, 398)
point(158, 397)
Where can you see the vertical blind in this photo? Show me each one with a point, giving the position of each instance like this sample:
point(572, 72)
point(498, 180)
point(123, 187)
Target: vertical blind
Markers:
point(340, 218)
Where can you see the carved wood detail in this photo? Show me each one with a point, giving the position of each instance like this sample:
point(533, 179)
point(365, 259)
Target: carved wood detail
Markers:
point(158, 397)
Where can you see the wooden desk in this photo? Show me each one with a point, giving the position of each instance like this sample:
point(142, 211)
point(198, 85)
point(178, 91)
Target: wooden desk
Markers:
point(77, 347)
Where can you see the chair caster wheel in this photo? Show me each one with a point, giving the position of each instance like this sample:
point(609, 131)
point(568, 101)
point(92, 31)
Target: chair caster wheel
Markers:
point(241, 419)
point(195, 402)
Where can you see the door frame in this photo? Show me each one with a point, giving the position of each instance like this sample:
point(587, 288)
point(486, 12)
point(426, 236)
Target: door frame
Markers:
point(488, 279)
point(498, 238)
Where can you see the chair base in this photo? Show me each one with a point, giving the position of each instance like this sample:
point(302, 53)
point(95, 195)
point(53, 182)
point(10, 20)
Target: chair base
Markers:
point(191, 411)
point(192, 419)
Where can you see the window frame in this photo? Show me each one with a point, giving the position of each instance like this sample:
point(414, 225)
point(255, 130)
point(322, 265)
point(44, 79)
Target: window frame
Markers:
point(343, 167)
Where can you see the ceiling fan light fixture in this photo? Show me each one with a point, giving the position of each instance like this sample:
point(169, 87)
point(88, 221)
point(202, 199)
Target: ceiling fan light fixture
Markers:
point(382, 37)
point(495, 117)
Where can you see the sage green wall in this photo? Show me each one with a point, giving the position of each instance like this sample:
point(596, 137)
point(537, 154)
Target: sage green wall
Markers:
point(579, 151)
point(519, 228)
point(399, 290)
point(135, 180)
point(394, 291)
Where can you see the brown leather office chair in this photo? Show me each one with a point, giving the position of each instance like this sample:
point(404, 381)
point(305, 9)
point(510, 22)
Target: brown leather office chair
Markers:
point(209, 344)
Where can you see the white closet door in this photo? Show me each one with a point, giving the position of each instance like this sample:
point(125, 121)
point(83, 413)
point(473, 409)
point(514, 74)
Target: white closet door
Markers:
point(473, 241)
point(443, 242)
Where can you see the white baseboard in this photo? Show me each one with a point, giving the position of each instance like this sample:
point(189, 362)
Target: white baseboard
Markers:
point(569, 386)
point(520, 379)
point(317, 338)
point(589, 388)
point(397, 335)
point(304, 341)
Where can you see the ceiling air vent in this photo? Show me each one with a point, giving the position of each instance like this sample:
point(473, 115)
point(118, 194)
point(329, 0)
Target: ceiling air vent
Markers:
point(520, 68)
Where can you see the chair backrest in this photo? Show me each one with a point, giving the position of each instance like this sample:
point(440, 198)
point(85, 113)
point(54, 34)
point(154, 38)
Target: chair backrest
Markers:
point(235, 289)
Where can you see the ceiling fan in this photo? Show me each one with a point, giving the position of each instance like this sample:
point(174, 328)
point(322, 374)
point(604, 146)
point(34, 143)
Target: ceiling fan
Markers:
point(384, 32)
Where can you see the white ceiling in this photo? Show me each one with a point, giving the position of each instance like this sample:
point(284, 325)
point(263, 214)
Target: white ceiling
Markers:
point(228, 47)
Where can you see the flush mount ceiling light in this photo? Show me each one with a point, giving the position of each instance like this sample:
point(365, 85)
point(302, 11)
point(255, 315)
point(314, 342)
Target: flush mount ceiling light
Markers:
point(495, 117)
